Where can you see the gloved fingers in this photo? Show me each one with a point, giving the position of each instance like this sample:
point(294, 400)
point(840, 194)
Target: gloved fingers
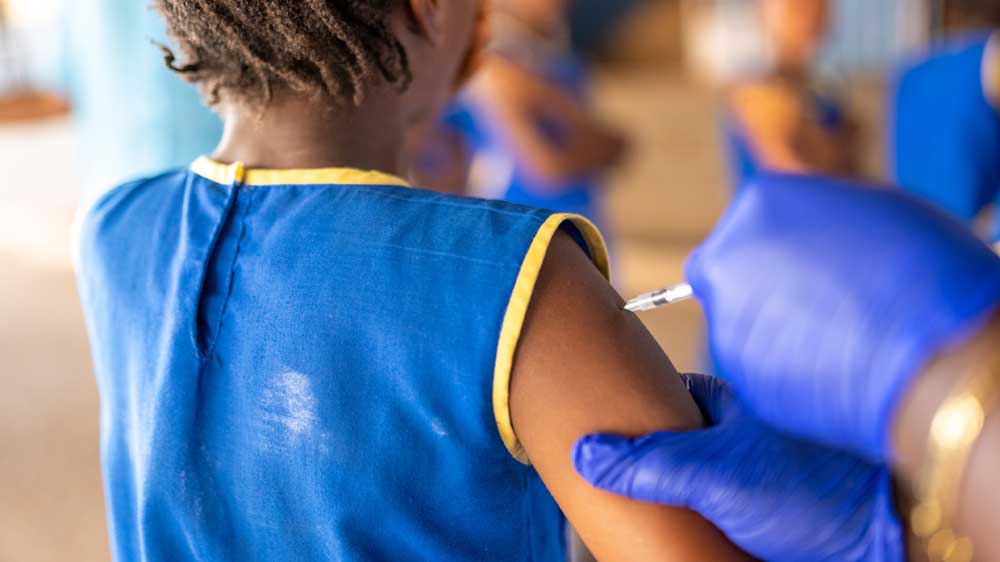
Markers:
point(666, 467)
point(712, 394)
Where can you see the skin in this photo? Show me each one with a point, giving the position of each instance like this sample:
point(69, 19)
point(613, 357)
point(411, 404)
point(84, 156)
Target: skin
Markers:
point(447, 150)
point(583, 365)
point(541, 15)
point(796, 29)
point(784, 134)
point(518, 97)
point(980, 498)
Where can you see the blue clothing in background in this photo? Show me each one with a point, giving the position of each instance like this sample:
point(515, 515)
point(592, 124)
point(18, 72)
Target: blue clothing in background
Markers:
point(593, 23)
point(134, 117)
point(744, 164)
point(304, 366)
point(945, 133)
point(475, 121)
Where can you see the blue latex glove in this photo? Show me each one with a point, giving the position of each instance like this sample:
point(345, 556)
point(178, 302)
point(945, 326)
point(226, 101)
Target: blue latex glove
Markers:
point(778, 498)
point(824, 299)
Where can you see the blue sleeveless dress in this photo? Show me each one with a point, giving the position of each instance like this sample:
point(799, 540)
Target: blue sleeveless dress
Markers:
point(314, 365)
point(944, 140)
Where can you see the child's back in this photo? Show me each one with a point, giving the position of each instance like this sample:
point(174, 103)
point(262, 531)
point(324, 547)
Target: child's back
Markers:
point(301, 367)
point(307, 363)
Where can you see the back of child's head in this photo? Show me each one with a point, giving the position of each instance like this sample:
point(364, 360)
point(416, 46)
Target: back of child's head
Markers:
point(245, 51)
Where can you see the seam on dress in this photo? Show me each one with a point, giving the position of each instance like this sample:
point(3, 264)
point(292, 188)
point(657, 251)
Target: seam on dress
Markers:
point(230, 277)
point(212, 247)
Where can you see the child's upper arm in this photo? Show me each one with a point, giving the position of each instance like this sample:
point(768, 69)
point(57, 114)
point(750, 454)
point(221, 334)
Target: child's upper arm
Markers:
point(583, 365)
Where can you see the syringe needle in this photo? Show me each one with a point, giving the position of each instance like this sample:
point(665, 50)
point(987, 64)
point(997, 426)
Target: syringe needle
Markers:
point(662, 297)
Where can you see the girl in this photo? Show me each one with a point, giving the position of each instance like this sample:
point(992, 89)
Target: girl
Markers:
point(300, 359)
point(779, 121)
point(524, 122)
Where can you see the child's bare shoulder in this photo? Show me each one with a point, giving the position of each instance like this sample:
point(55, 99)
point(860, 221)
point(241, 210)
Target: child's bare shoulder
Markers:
point(581, 349)
point(585, 365)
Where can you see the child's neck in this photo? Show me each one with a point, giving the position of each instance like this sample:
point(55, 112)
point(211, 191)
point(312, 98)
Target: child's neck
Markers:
point(296, 133)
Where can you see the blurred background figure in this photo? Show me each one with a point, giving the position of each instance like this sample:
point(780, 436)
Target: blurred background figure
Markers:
point(783, 117)
point(439, 155)
point(944, 129)
point(524, 129)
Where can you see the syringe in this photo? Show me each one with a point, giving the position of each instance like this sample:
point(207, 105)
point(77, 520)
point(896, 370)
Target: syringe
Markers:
point(663, 297)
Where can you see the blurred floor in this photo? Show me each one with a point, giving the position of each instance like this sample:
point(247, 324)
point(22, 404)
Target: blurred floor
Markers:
point(51, 507)
point(662, 204)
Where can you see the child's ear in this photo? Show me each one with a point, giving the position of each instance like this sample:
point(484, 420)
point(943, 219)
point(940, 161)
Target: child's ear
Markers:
point(425, 18)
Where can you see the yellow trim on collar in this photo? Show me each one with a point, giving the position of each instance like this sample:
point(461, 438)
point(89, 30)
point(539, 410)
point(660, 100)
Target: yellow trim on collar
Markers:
point(235, 173)
point(517, 309)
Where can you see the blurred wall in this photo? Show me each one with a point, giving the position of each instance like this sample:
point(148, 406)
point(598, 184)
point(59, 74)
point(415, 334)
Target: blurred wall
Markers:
point(723, 38)
point(868, 36)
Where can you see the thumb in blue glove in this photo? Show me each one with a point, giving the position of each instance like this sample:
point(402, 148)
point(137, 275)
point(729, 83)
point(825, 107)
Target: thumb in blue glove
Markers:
point(778, 498)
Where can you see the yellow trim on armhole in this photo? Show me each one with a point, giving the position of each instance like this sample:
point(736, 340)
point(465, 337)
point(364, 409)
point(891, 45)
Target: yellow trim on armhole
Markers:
point(996, 247)
point(517, 309)
point(223, 174)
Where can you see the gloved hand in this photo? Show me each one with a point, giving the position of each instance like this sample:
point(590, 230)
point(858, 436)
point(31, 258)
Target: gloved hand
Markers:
point(825, 298)
point(778, 498)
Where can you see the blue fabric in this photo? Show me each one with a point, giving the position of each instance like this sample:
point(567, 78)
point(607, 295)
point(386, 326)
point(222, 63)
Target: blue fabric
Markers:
point(743, 164)
point(580, 195)
point(134, 117)
point(304, 372)
point(594, 22)
point(945, 134)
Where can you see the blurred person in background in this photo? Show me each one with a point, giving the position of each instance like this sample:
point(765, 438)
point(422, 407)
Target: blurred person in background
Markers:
point(944, 130)
point(134, 117)
point(782, 119)
point(523, 130)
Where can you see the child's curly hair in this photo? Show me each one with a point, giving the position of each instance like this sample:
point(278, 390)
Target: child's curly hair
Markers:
point(241, 50)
